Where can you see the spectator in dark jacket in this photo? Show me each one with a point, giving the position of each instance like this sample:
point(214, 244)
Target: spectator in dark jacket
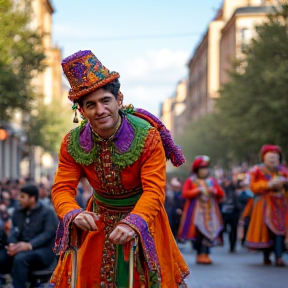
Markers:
point(31, 239)
point(174, 204)
point(230, 210)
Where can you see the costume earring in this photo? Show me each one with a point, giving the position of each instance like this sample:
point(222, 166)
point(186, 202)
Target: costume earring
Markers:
point(75, 120)
point(75, 107)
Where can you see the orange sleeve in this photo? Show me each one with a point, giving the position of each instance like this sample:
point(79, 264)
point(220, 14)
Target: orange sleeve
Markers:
point(153, 178)
point(258, 185)
point(190, 191)
point(65, 184)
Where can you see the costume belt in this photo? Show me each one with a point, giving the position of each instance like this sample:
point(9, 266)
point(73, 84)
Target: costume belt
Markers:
point(116, 204)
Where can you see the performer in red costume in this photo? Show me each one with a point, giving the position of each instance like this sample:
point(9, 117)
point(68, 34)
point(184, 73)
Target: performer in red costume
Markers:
point(268, 227)
point(201, 220)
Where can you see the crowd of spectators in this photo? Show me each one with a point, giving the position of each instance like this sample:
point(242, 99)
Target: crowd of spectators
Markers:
point(28, 224)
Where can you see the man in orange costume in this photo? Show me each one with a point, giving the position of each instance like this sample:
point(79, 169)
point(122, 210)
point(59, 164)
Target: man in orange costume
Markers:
point(121, 151)
point(268, 227)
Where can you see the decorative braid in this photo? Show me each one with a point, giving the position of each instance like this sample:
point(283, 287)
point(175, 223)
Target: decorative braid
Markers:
point(172, 151)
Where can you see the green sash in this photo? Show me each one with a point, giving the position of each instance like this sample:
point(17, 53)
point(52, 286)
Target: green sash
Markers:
point(132, 200)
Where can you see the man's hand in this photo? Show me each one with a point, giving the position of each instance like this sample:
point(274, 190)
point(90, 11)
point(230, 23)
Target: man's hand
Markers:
point(122, 234)
point(211, 190)
point(86, 221)
point(13, 248)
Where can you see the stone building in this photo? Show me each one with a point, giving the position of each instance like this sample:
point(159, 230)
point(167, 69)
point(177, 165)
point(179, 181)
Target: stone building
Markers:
point(173, 110)
point(237, 34)
point(203, 80)
point(227, 34)
point(48, 84)
point(173, 114)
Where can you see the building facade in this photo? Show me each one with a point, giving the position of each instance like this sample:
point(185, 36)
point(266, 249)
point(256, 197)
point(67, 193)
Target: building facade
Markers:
point(204, 72)
point(237, 34)
point(224, 41)
point(173, 114)
point(203, 67)
point(226, 36)
point(173, 110)
point(47, 84)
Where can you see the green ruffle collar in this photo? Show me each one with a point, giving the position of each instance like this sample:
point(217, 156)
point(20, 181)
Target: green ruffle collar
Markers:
point(124, 159)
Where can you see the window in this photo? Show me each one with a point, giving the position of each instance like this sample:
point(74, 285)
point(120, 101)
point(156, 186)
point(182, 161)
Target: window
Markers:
point(246, 36)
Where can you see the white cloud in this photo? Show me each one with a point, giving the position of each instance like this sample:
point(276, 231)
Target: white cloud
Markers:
point(153, 63)
point(145, 97)
point(148, 80)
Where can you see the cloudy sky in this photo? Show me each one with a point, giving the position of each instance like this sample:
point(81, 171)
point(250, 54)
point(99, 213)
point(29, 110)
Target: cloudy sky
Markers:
point(149, 42)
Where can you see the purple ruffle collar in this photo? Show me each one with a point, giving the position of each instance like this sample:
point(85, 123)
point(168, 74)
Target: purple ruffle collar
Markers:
point(122, 139)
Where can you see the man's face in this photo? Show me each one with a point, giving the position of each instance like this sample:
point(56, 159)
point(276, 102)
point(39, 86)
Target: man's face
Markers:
point(6, 198)
point(43, 192)
point(25, 200)
point(226, 182)
point(271, 159)
point(101, 108)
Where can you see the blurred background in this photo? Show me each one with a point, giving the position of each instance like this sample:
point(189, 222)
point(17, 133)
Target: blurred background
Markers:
point(214, 71)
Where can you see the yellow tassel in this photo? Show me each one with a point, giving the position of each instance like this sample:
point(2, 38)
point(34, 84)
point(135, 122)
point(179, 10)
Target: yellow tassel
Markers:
point(75, 120)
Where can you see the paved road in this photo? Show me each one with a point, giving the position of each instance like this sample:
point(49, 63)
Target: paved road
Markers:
point(242, 269)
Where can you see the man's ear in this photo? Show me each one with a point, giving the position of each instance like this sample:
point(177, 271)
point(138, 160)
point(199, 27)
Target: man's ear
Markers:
point(120, 99)
point(80, 109)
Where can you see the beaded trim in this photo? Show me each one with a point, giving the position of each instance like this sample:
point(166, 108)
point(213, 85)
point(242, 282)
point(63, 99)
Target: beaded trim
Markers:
point(77, 152)
point(138, 224)
point(63, 231)
point(108, 174)
point(107, 270)
point(141, 128)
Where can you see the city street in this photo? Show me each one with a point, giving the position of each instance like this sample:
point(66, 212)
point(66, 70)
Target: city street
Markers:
point(242, 269)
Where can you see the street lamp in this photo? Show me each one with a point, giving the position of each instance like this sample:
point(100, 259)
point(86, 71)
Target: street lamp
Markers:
point(3, 134)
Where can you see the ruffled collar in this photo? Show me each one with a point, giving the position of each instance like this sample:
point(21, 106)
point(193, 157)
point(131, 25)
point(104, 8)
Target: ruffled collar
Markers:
point(123, 136)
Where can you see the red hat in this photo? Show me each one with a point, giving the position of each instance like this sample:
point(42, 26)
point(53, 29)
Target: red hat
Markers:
point(270, 148)
point(200, 161)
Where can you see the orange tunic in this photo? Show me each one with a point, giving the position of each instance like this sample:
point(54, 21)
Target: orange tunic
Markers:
point(145, 178)
point(270, 209)
point(247, 210)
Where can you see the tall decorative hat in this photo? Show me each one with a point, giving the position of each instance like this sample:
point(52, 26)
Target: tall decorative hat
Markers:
point(85, 74)
point(270, 148)
point(200, 161)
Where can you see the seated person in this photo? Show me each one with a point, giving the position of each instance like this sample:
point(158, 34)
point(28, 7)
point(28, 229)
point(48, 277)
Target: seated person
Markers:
point(5, 225)
point(44, 194)
point(6, 199)
point(31, 238)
